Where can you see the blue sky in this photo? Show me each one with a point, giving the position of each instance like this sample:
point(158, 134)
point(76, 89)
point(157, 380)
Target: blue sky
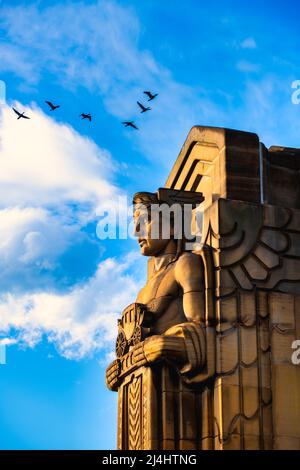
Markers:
point(222, 63)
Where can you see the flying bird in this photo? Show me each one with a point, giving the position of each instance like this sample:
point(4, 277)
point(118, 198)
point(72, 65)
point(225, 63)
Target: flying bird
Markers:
point(130, 124)
point(21, 115)
point(150, 95)
point(143, 108)
point(52, 106)
point(86, 116)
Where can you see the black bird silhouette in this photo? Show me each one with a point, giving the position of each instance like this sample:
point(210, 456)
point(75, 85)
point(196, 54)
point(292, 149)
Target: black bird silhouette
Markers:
point(130, 124)
point(143, 108)
point(21, 115)
point(86, 116)
point(52, 106)
point(150, 95)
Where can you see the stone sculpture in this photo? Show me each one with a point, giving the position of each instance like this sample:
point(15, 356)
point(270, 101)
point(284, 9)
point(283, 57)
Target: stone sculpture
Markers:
point(204, 354)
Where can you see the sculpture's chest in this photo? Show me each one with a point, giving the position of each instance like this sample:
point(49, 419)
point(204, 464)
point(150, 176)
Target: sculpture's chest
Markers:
point(162, 284)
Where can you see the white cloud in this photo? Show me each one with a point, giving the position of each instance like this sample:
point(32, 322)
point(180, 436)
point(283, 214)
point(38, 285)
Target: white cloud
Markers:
point(2, 92)
point(249, 43)
point(79, 322)
point(47, 163)
point(245, 66)
point(27, 236)
point(99, 41)
point(53, 181)
point(267, 110)
point(7, 341)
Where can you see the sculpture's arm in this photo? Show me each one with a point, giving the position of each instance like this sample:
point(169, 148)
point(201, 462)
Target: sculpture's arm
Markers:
point(112, 375)
point(160, 347)
point(189, 274)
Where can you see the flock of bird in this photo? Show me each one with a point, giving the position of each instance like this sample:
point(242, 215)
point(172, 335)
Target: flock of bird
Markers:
point(53, 107)
point(143, 108)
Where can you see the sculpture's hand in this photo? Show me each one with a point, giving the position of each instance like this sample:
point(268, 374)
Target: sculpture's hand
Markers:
point(112, 374)
point(158, 348)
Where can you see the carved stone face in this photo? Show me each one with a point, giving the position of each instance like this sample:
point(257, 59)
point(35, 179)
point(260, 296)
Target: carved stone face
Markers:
point(144, 229)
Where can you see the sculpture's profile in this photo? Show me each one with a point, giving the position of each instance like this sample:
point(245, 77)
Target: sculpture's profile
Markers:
point(204, 354)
